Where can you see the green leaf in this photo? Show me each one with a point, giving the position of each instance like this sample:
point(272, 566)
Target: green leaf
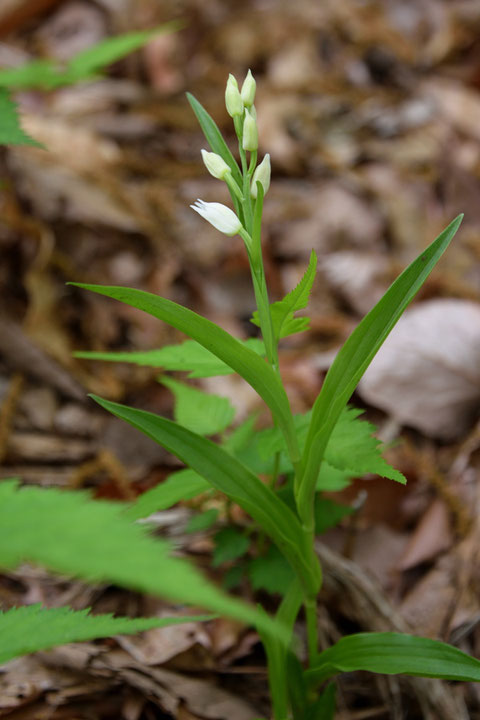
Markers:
point(241, 359)
point(200, 412)
point(284, 322)
point(332, 480)
point(214, 137)
point(353, 448)
point(241, 436)
point(230, 544)
point(96, 58)
point(270, 572)
point(71, 534)
point(202, 521)
point(11, 132)
point(181, 485)
point(354, 358)
point(395, 654)
point(228, 475)
point(188, 356)
point(31, 628)
point(325, 706)
point(48, 75)
point(277, 651)
point(328, 514)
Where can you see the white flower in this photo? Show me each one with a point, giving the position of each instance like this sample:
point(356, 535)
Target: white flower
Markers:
point(215, 164)
point(250, 132)
point(233, 99)
point(262, 175)
point(218, 215)
point(248, 89)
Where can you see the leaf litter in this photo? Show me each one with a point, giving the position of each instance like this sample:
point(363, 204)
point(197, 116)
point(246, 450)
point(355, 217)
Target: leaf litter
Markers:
point(369, 112)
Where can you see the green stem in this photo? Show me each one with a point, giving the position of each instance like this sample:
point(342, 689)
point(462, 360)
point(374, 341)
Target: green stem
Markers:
point(310, 604)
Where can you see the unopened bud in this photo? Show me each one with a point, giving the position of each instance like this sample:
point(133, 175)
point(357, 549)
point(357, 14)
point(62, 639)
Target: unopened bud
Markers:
point(261, 175)
point(248, 90)
point(250, 132)
point(233, 99)
point(218, 215)
point(215, 164)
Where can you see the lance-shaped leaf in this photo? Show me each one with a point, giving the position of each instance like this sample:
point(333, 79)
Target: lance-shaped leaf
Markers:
point(354, 358)
point(70, 533)
point(240, 358)
point(188, 356)
point(31, 628)
point(227, 474)
point(395, 654)
point(214, 137)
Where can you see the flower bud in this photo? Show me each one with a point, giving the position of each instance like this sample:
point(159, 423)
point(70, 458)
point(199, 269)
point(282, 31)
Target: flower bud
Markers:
point(233, 99)
point(218, 215)
point(215, 164)
point(262, 175)
point(250, 132)
point(248, 90)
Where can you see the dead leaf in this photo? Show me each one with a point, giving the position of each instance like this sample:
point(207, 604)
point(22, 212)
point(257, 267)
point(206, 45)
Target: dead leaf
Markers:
point(427, 373)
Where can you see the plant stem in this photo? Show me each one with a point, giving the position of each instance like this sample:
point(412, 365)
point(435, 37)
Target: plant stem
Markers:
point(310, 604)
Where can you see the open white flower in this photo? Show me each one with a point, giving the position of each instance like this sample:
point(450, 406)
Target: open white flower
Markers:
point(218, 215)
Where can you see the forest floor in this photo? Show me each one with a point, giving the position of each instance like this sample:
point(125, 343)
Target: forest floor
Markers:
point(371, 114)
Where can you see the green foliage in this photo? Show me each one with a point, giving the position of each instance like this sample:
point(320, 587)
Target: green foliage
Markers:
point(270, 572)
point(188, 356)
point(324, 707)
point(181, 485)
point(231, 351)
point(202, 521)
point(214, 137)
point(273, 474)
point(395, 654)
point(230, 544)
point(352, 450)
point(86, 65)
point(228, 475)
point(284, 322)
point(27, 629)
point(198, 411)
point(70, 533)
point(328, 514)
point(354, 358)
point(11, 132)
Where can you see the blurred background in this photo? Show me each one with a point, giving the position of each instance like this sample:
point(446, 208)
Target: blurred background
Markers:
point(370, 111)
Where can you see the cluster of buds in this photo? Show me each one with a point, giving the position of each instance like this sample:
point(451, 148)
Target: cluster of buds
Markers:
point(240, 106)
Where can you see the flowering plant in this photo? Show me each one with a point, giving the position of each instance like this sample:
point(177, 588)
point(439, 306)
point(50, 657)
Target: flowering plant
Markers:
point(276, 475)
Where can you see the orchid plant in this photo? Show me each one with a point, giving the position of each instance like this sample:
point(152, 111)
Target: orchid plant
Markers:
point(276, 474)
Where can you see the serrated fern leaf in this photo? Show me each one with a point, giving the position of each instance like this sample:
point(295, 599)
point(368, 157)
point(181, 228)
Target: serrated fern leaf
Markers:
point(284, 322)
point(70, 533)
point(188, 356)
point(200, 412)
point(11, 132)
point(28, 629)
point(352, 447)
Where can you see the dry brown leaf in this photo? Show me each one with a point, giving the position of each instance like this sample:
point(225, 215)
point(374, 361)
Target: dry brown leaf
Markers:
point(427, 373)
point(432, 536)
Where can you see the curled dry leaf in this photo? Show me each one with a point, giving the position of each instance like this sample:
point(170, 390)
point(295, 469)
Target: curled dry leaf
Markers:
point(427, 374)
